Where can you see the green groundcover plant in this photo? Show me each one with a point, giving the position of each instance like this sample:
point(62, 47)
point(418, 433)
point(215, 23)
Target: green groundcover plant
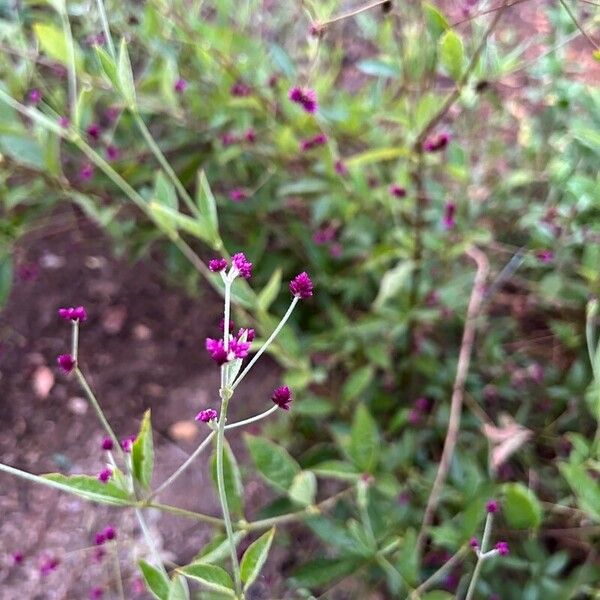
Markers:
point(386, 149)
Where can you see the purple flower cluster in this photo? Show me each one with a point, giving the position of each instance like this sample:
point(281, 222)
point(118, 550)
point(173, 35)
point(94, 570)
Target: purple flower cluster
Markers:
point(492, 506)
point(228, 138)
point(545, 256)
point(436, 143)
point(305, 97)
point(108, 534)
point(127, 443)
point(317, 140)
point(105, 475)
point(77, 313)
point(216, 265)
point(301, 286)
point(282, 396)
point(48, 565)
point(340, 168)
point(180, 86)
point(420, 408)
point(34, 96)
point(206, 415)
point(243, 266)
point(238, 194)
point(502, 548)
point(107, 444)
point(93, 130)
point(238, 347)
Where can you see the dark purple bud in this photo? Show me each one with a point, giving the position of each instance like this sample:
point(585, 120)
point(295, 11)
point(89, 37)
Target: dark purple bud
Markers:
point(340, 168)
point(282, 397)
point(64, 122)
point(217, 264)
point(107, 444)
point(48, 565)
point(545, 256)
point(209, 414)
point(448, 219)
point(301, 286)
point(474, 543)
point(18, 557)
point(86, 172)
point(127, 443)
point(238, 194)
point(105, 475)
point(96, 593)
point(93, 131)
point(250, 135)
point(397, 191)
point(180, 86)
point(492, 506)
point(34, 96)
point(66, 363)
point(99, 539)
point(110, 533)
point(502, 548)
point(240, 89)
point(112, 153)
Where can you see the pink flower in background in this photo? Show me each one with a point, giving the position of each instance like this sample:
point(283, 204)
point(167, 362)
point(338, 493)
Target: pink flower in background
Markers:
point(437, 142)
point(449, 218)
point(397, 191)
point(93, 131)
point(238, 194)
point(34, 96)
point(340, 168)
point(250, 135)
point(105, 475)
point(180, 86)
point(318, 140)
point(545, 256)
point(240, 89)
point(64, 122)
point(86, 172)
point(112, 153)
point(305, 97)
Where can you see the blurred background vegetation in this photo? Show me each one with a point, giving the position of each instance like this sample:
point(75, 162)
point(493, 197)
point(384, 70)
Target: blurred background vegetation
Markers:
point(378, 216)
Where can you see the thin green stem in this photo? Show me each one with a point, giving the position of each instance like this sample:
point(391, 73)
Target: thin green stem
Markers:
point(223, 496)
point(182, 512)
point(165, 484)
point(106, 28)
point(99, 412)
point(118, 577)
point(259, 417)
point(487, 531)
point(226, 316)
point(75, 339)
point(164, 163)
point(267, 343)
point(447, 566)
point(150, 541)
point(71, 71)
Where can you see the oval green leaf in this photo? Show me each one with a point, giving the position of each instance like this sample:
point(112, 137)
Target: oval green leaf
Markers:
point(156, 581)
point(211, 577)
point(255, 557)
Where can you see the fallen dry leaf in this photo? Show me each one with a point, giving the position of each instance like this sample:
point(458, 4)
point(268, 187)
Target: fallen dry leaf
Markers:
point(506, 439)
point(184, 431)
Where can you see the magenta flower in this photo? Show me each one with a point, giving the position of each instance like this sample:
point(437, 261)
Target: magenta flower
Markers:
point(250, 135)
point(238, 194)
point(437, 142)
point(66, 363)
point(216, 265)
point(48, 565)
point(240, 89)
point(217, 352)
point(306, 97)
point(34, 96)
point(127, 443)
point(206, 415)
point(449, 218)
point(112, 113)
point(474, 543)
point(180, 85)
point(228, 139)
point(99, 539)
point(86, 172)
point(96, 593)
point(502, 548)
point(74, 313)
point(545, 256)
point(222, 326)
point(492, 506)
point(64, 122)
point(110, 533)
point(340, 168)
point(324, 235)
point(282, 397)
point(397, 191)
point(107, 444)
point(105, 475)
point(318, 140)
point(242, 265)
point(93, 131)
point(238, 348)
point(301, 286)
point(18, 557)
point(112, 152)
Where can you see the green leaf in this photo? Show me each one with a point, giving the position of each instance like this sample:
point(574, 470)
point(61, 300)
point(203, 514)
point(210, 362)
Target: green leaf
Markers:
point(268, 294)
point(321, 571)
point(156, 581)
point(164, 191)
point(304, 488)
point(6, 275)
point(125, 75)
point(273, 462)
point(233, 479)
point(212, 577)
point(218, 548)
point(89, 488)
point(108, 66)
point(255, 557)
point(207, 206)
point(437, 595)
point(408, 559)
point(142, 453)
point(436, 21)
point(392, 282)
point(169, 220)
point(520, 507)
point(338, 536)
point(336, 469)
point(379, 68)
point(586, 489)
point(364, 440)
point(53, 43)
point(178, 589)
point(452, 54)
point(357, 383)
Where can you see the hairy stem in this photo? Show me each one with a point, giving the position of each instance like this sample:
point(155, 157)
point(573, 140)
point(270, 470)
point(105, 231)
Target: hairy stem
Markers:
point(106, 28)
point(487, 531)
point(223, 497)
